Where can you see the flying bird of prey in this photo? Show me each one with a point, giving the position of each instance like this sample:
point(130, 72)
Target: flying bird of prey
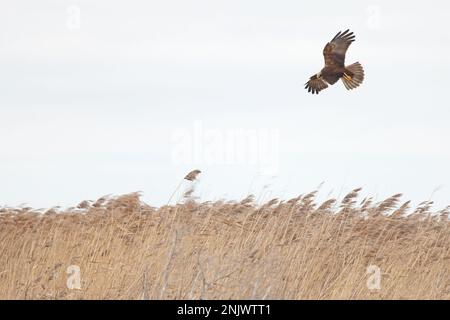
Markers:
point(334, 53)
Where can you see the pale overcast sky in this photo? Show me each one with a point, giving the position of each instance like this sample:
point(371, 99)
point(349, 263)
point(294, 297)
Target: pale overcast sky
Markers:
point(109, 97)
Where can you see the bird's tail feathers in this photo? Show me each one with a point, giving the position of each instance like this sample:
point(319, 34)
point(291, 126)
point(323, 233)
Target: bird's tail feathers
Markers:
point(353, 76)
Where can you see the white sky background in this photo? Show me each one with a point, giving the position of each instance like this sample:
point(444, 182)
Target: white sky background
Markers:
point(106, 105)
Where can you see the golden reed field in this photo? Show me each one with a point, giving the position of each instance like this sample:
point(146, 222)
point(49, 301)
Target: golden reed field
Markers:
point(122, 248)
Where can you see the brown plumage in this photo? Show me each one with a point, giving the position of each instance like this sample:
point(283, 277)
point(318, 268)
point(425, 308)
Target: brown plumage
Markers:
point(191, 176)
point(334, 53)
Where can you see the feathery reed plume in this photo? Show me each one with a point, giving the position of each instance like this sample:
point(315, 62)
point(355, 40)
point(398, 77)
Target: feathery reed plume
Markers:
point(326, 205)
point(366, 204)
point(188, 193)
point(388, 204)
point(294, 201)
point(349, 200)
point(423, 208)
point(100, 201)
point(307, 202)
point(402, 210)
point(445, 213)
point(84, 204)
point(127, 203)
point(272, 202)
point(250, 199)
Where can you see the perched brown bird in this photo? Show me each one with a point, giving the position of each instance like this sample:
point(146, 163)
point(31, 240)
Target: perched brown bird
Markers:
point(334, 53)
point(191, 176)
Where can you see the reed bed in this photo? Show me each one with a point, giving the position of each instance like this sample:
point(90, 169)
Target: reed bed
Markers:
point(294, 249)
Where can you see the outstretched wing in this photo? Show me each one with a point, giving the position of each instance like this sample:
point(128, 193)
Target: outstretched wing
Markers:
point(334, 51)
point(315, 84)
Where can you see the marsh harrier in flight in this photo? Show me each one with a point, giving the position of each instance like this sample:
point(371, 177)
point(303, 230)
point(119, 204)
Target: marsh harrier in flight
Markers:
point(334, 53)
